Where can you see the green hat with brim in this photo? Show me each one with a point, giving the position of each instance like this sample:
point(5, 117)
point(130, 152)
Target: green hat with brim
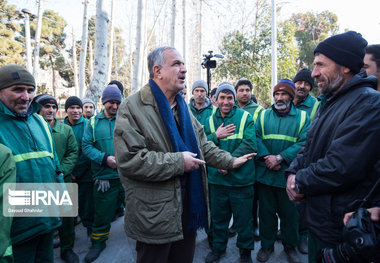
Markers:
point(13, 75)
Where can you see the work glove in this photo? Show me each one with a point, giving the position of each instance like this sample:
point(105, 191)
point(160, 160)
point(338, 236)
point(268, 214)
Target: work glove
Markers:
point(104, 184)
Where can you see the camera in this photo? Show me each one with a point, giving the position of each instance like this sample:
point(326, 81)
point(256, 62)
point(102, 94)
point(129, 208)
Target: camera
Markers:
point(360, 243)
point(207, 62)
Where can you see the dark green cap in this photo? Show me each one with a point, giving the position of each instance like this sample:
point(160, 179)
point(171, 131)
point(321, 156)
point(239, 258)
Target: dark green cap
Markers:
point(14, 74)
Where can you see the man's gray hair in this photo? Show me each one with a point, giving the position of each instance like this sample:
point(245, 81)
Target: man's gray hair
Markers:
point(156, 57)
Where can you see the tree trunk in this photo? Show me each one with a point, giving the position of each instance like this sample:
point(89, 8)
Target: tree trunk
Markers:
point(75, 67)
point(173, 23)
point(110, 48)
point(184, 35)
point(98, 80)
point(36, 51)
point(199, 41)
point(83, 51)
point(90, 59)
point(139, 50)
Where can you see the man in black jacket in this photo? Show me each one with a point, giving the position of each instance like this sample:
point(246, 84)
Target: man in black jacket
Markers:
point(340, 161)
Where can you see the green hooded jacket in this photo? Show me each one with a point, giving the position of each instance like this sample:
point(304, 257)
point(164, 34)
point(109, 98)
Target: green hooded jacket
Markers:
point(97, 144)
point(279, 135)
point(31, 142)
point(242, 142)
point(82, 169)
point(253, 109)
point(7, 175)
point(66, 148)
point(310, 105)
point(202, 114)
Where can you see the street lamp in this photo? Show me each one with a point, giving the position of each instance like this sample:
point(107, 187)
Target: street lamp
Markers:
point(27, 17)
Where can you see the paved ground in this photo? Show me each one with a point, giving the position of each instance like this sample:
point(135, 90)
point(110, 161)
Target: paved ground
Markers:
point(121, 248)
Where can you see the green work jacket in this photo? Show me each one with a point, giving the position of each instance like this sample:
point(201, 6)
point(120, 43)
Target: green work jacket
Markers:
point(279, 135)
point(66, 148)
point(82, 169)
point(97, 144)
point(202, 114)
point(242, 142)
point(310, 105)
point(7, 175)
point(253, 109)
point(31, 142)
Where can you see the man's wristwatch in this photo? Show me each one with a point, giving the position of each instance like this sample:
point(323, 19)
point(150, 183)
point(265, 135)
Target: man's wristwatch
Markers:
point(278, 159)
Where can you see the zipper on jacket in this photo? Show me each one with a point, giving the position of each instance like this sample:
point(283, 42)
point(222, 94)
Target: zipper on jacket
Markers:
point(31, 135)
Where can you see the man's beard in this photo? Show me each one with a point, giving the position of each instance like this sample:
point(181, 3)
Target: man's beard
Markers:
point(333, 84)
point(283, 106)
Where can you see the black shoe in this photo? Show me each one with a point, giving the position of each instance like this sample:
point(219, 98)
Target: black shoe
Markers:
point(69, 256)
point(89, 231)
point(209, 240)
point(232, 231)
point(56, 242)
point(94, 253)
point(292, 255)
point(302, 245)
point(264, 254)
point(245, 257)
point(214, 256)
point(256, 234)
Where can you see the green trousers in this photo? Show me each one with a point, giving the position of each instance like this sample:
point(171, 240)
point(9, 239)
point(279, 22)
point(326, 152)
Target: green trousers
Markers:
point(105, 206)
point(86, 203)
point(274, 201)
point(66, 233)
point(37, 249)
point(314, 248)
point(225, 202)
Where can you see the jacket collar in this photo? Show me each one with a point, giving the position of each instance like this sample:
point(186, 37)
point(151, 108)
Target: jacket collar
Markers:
point(147, 95)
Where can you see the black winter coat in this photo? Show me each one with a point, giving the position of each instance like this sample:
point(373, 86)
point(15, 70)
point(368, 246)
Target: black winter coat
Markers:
point(340, 161)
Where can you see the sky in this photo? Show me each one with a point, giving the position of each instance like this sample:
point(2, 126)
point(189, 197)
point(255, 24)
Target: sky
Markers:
point(361, 16)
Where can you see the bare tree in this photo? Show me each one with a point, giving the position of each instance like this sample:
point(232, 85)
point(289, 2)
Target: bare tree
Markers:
point(111, 42)
point(37, 37)
point(75, 67)
point(172, 39)
point(139, 44)
point(90, 59)
point(100, 66)
point(83, 50)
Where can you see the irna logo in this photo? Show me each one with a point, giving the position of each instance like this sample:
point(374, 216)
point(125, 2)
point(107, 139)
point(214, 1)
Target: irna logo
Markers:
point(38, 197)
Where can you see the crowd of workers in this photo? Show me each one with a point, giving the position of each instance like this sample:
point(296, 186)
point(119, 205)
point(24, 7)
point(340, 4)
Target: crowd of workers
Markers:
point(175, 168)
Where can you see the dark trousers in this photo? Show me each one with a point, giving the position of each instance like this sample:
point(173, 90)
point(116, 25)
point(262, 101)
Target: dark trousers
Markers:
point(274, 201)
point(67, 233)
point(86, 203)
point(314, 247)
point(37, 249)
point(178, 251)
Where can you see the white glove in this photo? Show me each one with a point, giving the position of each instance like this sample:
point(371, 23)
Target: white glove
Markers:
point(104, 184)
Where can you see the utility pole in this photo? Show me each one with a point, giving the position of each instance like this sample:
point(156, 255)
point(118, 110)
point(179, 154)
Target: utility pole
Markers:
point(274, 46)
point(27, 17)
point(36, 51)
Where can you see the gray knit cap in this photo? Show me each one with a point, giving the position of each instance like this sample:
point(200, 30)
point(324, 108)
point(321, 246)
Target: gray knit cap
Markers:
point(225, 86)
point(200, 84)
point(88, 100)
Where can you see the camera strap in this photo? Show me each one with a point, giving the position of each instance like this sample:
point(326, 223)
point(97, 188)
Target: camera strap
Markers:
point(365, 199)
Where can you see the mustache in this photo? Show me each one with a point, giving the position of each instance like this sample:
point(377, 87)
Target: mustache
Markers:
point(280, 101)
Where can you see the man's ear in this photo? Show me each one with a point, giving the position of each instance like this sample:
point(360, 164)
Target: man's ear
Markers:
point(157, 71)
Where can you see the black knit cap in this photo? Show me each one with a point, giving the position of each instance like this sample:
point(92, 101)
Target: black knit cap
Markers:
point(347, 49)
point(73, 100)
point(118, 84)
point(304, 75)
point(43, 99)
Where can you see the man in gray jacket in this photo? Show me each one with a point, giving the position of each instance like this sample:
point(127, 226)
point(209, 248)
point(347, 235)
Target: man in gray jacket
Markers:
point(161, 151)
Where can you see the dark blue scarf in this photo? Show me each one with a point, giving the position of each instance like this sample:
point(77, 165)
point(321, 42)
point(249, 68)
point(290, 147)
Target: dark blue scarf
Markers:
point(184, 140)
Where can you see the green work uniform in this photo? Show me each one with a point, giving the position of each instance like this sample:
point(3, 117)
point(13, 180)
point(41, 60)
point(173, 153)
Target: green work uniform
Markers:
point(97, 144)
point(67, 151)
point(82, 173)
point(278, 135)
point(253, 109)
point(30, 140)
point(232, 194)
point(7, 175)
point(202, 114)
point(310, 105)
